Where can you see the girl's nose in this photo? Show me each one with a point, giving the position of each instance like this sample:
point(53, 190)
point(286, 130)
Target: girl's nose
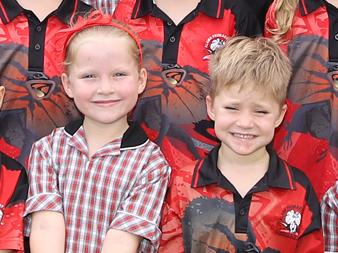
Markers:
point(106, 86)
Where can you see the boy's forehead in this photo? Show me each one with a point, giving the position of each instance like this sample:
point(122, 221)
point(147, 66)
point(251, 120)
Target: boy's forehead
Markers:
point(251, 90)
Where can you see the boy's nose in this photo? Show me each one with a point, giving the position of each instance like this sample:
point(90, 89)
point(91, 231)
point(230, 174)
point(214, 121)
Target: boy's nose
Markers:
point(245, 120)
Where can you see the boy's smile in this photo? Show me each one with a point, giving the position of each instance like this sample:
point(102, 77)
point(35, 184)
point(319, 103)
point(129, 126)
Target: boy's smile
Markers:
point(245, 118)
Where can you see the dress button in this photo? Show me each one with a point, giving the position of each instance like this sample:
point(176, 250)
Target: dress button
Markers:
point(37, 46)
point(336, 36)
point(38, 28)
point(242, 212)
point(172, 39)
point(169, 23)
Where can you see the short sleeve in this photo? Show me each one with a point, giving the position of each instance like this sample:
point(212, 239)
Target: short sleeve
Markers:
point(329, 210)
point(43, 193)
point(171, 226)
point(247, 23)
point(175, 203)
point(11, 227)
point(311, 239)
point(139, 212)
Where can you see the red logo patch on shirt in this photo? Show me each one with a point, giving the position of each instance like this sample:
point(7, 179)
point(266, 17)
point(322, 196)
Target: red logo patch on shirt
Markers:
point(214, 42)
point(290, 221)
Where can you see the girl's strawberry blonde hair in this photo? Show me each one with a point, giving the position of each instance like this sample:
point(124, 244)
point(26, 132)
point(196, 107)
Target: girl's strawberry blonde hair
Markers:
point(97, 23)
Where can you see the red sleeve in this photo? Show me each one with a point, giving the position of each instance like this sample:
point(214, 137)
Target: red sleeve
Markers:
point(311, 243)
point(11, 227)
point(176, 201)
point(172, 234)
point(311, 239)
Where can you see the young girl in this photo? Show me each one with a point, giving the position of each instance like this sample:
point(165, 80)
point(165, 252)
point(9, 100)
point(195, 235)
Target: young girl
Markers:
point(308, 139)
point(97, 185)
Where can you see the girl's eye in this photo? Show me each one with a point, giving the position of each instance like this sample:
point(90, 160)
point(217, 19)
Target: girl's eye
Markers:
point(89, 76)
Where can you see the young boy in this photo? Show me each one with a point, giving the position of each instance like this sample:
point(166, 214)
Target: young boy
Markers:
point(13, 193)
point(98, 184)
point(242, 197)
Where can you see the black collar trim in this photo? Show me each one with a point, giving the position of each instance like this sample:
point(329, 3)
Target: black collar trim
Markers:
point(9, 162)
point(212, 8)
point(132, 138)
point(10, 9)
point(279, 174)
point(309, 6)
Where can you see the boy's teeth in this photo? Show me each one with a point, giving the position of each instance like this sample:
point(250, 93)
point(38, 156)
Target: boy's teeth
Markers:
point(243, 136)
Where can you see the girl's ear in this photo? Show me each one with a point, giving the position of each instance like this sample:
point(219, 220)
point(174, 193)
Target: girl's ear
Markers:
point(2, 94)
point(142, 80)
point(66, 85)
point(210, 107)
point(281, 115)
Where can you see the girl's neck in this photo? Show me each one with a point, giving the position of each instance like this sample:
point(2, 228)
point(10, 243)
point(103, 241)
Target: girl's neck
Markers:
point(98, 135)
point(41, 8)
point(177, 10)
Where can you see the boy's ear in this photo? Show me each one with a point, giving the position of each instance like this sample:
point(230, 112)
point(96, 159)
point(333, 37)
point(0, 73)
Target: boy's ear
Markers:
point(281, 115)
point(66, 85)
point(210, 107)
point(142, 80)
point(2, 94)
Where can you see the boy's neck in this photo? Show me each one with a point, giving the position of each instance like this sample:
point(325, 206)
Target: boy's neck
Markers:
point(98, 135)
point(41, 8)
point(243, 172)
point(333, 2)
point(177, 10)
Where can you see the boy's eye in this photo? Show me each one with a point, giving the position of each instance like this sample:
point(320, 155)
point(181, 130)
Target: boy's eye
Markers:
point(119, 74)
point(262, 112)
point(231, 108)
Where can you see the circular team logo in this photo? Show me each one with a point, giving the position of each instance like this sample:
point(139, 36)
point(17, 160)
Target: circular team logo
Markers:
point(215, 41)
point(291, 220)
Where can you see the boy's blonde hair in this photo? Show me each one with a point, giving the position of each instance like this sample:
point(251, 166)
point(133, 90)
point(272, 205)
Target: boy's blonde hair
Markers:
point(257, 62)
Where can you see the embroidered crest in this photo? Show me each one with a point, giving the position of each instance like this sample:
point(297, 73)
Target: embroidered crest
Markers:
point(291, 220)
point(214, 42)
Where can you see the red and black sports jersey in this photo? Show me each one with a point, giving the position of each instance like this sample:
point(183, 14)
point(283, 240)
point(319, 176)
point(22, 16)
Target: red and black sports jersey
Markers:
point(203, 212)
point(13, 193)
point(176, 57)
point(308, 138)
point(35, 102)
